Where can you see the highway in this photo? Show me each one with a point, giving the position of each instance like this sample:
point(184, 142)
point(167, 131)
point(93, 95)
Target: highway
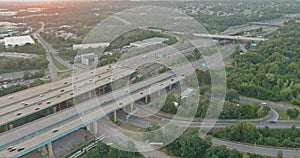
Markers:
point(44, 135)
point(53, 116)
point(263, 150)
point(11, 107)
point(230, 37)
point(51, 66)
point(91, 111)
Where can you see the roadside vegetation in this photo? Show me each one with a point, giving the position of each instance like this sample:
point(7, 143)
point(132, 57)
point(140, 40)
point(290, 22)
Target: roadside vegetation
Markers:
point(19, 87)
point(36, 48)
point(190, 145)
point(8, 65)
point(104, 151)
point(272, 71)
point(247, 133)
point(58, 65)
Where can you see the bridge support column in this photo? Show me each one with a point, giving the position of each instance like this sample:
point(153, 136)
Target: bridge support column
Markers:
point(48, 112)
point(170, 87)
point(147, 99)
point(131, 107)
point(10, 126)
point(43, 151)
point(158, 93)
point(95, 127)
point(50, 150)
point(54, 109)
point(88, 127)
point(90, 95)
point(115, 116)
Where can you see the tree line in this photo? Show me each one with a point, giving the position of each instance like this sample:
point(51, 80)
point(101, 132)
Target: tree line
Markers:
point(20, 64)
point(246, 132)
point(272, 70)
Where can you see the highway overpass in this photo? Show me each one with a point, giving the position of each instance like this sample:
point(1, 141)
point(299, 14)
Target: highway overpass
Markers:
point(239, 38)
point(44, 130)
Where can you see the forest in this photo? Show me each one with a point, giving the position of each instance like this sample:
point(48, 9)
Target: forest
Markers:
point(272, 70)
point(247, 133)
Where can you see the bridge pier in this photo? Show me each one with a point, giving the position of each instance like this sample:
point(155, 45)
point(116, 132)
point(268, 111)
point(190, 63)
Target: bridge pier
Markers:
point(54, 109)
point(95, 124)
point(88, 127)
point(43, 151)
point(115, 116)
point(50, 150)
point(131, 107)
point(10, 126)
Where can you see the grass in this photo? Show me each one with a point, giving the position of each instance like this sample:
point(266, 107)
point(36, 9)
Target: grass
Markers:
point(131, 127)
point(59, 74)
point(58, 64)
point(284, 116)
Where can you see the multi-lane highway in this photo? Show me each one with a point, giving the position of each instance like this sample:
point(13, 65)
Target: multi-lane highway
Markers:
point(68, 120)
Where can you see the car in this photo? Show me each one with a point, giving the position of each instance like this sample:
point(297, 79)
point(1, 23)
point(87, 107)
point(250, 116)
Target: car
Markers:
point(21, 148)
point(55, 130)
point(37, 109)
point(62, 90)
point(10, 97)
point(49, 89)
point(25, 104)
point(58, 96)
point(48, 102)
point(41, 95)
point(22, 103)
point(263, 103)
point(10, 147)
point(66, 82)
point(40, 103)
point(19, 113)
point(272, 121)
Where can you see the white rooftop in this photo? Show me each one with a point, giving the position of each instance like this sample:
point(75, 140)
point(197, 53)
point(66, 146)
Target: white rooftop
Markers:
point(18, 40)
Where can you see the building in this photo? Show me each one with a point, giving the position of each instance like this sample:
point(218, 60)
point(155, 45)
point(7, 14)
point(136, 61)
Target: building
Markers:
point(90, 45)
point(148, 42)
point(89, 59)
point(17, 41)
point(7, 25)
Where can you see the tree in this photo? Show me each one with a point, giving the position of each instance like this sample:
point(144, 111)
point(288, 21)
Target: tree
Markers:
point(169, 106)
point(292, 113)
point(217, 151)
point(232, 94)
point(192, 146)
point(243, 131)
point(279, 154)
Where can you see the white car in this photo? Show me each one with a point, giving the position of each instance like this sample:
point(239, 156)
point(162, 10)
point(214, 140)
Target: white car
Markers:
point(263, 103)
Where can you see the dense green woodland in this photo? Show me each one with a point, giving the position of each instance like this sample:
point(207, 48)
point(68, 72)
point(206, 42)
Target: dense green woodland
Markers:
point(138, 35)
point(246, 132)
point(272, 71)
point(20, 64)
point(19, 87)
point(231, 110)
point(189, 144)
point(104, 151)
